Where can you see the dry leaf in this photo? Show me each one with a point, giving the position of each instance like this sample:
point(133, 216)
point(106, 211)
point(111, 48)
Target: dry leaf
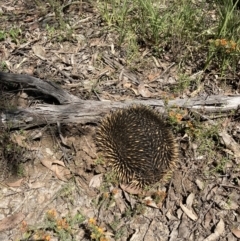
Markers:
point(36, 185)
point(189, 212)
point(174, 233)
point(19, 139)
point(224, 204)
point(236, 232)
point(230, 143)
point(130, 199)
point(143, 91)
point(15, 184)
point(189, 200)
point(152, 77)
point(62, 173)
point(184, 228)
point(36, 135)
point(130, 189)
point(127, 85)
point(96, 181)
point(8, 8)
point(200, 184)
point(11, 221)
point(47, 163)
point(58, 168)
point(39, 51)
point(63, 139)
point(217, 232)
point(135, 91)
point(207, 219)
point(61, 163)
point(119, 202)
point(149, 202)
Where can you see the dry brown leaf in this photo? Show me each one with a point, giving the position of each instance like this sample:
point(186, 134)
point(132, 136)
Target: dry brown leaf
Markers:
point(63, 139)
point(184, 229)
point(174, 233)
point(36, 185)
point(135, 91)
point(189, 212)
point(200, 184)
point(207, 220)
point(11, 221)
point(236, 232)
point(61, 163)
point(190, 199)
point(217, 232)
point(96, 181)
point(47, 163)
point(36, 135)
point(130, 199)
point(127, 85)
point(230, 143)
point(39, 51)
point(149, 202)
point(15, 184)
point(119, 201)
point(58, 168)
point(224, 204)
point(152, 77)
point(188, 209)
point(19, 139)
point(95, 42)
point(130, 189)
point(62, 173)
point(143, 91)
point(8, 8)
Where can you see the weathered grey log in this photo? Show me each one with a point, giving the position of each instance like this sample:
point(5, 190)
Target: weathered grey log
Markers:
point(45, 87)
point(89, 111)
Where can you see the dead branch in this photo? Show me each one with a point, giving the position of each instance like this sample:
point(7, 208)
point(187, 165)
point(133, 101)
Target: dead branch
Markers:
point(74, 110)
point(46, 87)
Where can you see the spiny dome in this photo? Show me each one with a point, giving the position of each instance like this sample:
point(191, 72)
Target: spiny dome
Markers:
point(139, 146)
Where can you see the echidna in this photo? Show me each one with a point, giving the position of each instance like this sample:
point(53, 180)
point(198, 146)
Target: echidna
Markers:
point(139, 146)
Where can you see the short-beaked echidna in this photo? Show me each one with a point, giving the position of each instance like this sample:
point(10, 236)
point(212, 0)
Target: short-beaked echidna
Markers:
point(139, 146)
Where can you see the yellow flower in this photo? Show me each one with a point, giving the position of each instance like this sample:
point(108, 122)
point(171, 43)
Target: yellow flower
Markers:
point(190, 125)
point(92, 221)
point(106, 195)
point(216, 42)
point(221, 42)
point(177, 116)
point(100, 230)
point(115, 191)
point(93, 236)
point(232, 45)
point(103, 239)
point(47, 238)
point(62, 224)
point(51, 214)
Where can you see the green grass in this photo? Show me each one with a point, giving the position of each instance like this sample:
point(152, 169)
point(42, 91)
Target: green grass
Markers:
point(187, 28)
point(14, 33)
point(225, 48)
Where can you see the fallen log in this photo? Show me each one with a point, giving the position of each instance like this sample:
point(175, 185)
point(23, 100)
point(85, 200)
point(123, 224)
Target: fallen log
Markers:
point(74, 110)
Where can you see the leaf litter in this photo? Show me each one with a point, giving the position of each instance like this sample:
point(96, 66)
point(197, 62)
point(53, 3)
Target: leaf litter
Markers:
point(194, 206)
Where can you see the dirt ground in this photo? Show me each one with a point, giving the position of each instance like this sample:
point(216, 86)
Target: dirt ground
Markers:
point(59, 172)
